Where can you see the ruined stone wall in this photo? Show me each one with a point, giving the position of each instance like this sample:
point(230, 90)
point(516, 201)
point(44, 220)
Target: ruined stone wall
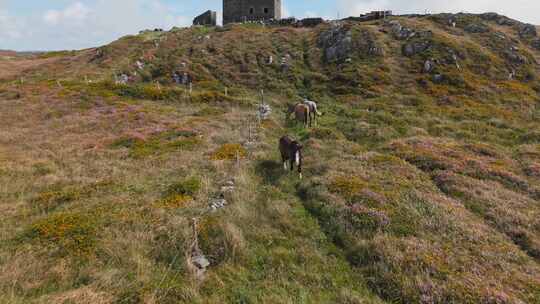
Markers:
point(207, 18)
point(250, 10)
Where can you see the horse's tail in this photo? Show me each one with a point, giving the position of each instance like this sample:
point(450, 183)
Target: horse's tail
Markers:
point(315, 109)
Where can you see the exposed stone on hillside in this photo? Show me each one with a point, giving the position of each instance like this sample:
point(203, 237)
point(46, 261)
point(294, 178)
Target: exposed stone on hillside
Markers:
point(367, 44)
point(514, 56)
point(499, 19)
point(415, 47)
point(337, 43)
point(527, 31)
point(536, 43)
point(476, 28)
point(400, 32)
point(429, 65)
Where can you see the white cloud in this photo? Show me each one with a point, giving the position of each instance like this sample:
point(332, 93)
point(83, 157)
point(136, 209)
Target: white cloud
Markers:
point(11, 28)
point(84, 23)
point(76, 12)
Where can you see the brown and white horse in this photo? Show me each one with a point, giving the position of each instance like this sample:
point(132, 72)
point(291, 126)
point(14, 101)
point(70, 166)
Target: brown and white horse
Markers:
point(301, 114)
point(291, 151)
point(313, 110)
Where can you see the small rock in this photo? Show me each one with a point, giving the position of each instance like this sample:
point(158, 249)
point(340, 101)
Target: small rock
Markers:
point(200, 261)
point(228, 187)
point(429, 65)
point(218, 204)
point(437, 78)
point(445, 101)
point(422, 82)
point(139, 64)
point(264, 111)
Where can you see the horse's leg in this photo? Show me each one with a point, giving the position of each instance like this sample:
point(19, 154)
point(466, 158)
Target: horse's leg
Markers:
point(284, 161)
point(299, 164)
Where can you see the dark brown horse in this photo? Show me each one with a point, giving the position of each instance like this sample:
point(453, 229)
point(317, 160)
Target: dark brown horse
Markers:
point(291, 151)
point(301, 114)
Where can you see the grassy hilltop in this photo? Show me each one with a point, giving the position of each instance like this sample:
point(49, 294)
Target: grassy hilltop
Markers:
point(422, 178)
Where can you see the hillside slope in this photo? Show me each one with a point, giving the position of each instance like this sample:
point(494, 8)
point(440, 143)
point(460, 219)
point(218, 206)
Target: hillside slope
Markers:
point(422, 178)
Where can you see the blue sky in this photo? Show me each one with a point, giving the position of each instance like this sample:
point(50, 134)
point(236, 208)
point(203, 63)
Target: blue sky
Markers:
point(76, 24)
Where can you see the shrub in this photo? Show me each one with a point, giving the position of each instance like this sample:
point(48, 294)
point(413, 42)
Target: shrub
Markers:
point(209, 97)
point(48, 200)
point(41, 169)
point(160, 143)
point(174, 201)
point(69, 233)
point(347, 186)
point(212, 240)
point(229, 152)
point(126, 142)
point(184, 144)
point(210, 111)
point(325, 133)
point(188, 187)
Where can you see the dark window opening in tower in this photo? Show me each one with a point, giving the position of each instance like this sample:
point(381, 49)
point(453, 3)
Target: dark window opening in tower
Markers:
point(251, 11)
point(266, 10)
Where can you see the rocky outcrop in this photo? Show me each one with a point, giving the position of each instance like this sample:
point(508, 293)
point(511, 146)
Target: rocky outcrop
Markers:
point(476, 28)
point(514, 56)
point(536, 44)
point(499, 19)
point(367, 45)
point(415, 47)
point(400, 32)
point(337, 43)
point(527, 31)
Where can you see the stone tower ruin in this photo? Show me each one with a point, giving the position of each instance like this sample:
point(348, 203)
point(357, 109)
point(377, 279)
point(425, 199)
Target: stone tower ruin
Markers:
point(250, 10)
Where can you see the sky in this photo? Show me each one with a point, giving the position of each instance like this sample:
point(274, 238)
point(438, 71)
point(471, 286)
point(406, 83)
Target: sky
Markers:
point(31, 25)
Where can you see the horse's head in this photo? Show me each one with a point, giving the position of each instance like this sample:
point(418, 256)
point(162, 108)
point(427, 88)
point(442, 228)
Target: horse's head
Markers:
point(297, 150)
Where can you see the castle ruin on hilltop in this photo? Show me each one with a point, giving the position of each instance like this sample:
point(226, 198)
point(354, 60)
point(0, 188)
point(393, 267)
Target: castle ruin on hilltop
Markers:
point(269, 12)
point(250, 10)
point(207, 18)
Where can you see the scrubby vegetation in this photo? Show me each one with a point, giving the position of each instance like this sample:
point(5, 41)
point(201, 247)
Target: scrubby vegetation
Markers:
point(421, 179)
